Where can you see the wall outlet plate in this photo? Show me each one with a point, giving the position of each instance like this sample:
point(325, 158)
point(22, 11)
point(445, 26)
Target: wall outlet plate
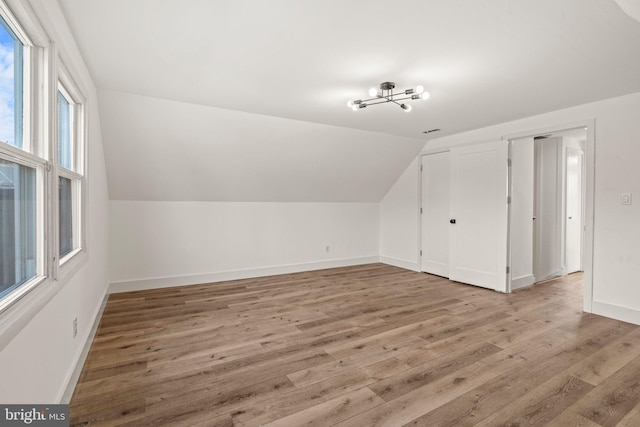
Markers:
point(626, 198)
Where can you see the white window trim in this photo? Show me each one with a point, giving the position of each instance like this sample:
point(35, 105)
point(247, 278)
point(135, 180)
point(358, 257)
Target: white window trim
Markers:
point(24, 156)
point(67, 85)
point(31, 155)
point(42, 73)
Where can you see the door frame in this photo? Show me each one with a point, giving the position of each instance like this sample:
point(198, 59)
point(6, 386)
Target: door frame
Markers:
point(589, 192)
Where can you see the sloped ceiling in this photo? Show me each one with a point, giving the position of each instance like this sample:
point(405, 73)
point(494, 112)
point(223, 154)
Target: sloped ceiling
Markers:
point(166, 150)
point(191, 89)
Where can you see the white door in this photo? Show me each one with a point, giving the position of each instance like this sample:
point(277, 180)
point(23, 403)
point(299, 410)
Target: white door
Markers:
point(521, 214)
point(547, 241)
point(478, 228)
point(574, 209)
point(435, 214)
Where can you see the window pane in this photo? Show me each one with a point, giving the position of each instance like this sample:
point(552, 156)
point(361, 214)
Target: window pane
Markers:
point(64, 132)
point(17, 225)
point(66, 216)
point(10, 86)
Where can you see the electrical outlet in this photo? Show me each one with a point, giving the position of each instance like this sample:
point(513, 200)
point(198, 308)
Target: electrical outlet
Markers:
point(75, 326)
point(626, 198)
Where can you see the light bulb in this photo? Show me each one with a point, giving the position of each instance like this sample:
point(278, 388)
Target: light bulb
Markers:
point(354, 107)
point(425, 95)
point(406, 107)
point(350, 103)
point(373, 91)
point(419, 89)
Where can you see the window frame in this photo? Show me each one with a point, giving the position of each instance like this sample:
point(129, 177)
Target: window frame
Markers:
point(43, 70)
point(27, 80)
point(9, 153)
point(66, 85)
point(29, 154)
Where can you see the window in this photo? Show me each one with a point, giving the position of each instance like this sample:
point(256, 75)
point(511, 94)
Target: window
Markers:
point(22, 174)
point(69, 169)
point(17, 225)
point(11, 66)
point(41, 163)
point(64, 131)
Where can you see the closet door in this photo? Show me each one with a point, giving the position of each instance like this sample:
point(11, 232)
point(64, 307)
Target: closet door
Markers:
point(548, 233)
point(435, 214)
point(574, 225)
point(478, 223)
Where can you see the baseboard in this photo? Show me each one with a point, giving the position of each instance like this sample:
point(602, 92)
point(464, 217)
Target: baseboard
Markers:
point(74, 375)
point(522, 282)
point(408, 265)
point(625, 314)
point(250, 273)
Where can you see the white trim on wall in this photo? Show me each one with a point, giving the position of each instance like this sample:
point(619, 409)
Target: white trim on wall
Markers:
point(616, 312)
point(74, 374)
point(407, 265)
point(522, 282)
point(221, 276)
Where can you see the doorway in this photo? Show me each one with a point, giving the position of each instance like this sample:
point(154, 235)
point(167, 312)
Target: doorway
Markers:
point(547, 214)
point(558, 203)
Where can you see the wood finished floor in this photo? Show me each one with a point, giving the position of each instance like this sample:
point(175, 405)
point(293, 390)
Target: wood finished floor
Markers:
point(370, 345)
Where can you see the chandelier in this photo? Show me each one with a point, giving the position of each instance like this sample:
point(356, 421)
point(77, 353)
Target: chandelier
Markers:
point(385, 94)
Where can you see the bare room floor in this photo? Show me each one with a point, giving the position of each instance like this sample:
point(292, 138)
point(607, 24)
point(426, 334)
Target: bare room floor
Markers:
point(358, 346)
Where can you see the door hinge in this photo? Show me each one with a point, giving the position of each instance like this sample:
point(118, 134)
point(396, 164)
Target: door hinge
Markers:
point(420, 210)
point(420, 168)
point(508, 269)
point(509, 162)
point(508, 199)
point(420, 252)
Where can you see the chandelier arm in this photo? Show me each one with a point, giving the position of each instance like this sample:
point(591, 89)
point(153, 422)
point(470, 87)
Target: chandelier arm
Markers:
point(373, 99)
point(402, 99)
point(380, 102)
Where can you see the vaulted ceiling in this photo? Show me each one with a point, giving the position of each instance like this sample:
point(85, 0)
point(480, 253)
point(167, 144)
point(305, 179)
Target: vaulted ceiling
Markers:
point(246, 99)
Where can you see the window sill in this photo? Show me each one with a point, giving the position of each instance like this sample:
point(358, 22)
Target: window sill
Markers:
point(70, 263)
point(23, 290)
point(18, 315)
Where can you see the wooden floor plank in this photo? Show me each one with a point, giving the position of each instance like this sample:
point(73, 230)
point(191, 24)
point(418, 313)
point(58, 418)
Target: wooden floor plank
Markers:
point(541, 405)
point(614, 398)
point(368, 345)
point(332, 411)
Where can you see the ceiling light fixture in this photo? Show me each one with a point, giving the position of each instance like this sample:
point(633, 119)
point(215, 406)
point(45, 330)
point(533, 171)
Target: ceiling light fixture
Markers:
point(385, 94)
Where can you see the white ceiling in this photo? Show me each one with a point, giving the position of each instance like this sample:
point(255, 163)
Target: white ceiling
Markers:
point(483, 61)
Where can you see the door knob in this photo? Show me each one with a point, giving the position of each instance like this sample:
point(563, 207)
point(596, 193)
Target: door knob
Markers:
point(452, 221)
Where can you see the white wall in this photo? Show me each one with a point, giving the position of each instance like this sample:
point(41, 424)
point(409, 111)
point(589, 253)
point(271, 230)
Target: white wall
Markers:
point(399, 216)
point(35, 366)
point(155, 244)
point(616, 257)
